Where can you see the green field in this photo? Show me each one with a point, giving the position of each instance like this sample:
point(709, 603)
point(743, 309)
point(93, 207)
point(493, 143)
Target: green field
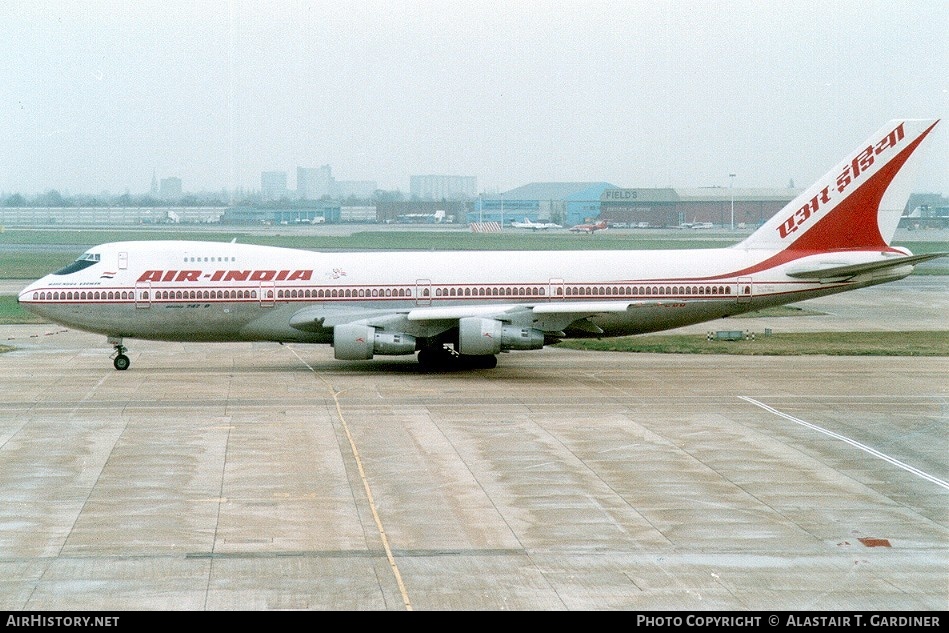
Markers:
point(785, 344)
point(33, 264)
point(12, 314)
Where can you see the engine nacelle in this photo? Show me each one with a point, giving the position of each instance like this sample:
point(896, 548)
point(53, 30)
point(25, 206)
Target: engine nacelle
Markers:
point(478, 337)
point(355, 341)
point(513, 337)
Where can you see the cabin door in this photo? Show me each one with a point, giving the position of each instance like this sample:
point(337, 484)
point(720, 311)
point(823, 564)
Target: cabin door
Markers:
point(267, 294)
point(423, 292)
point(143, 294)
point(555, 290)
point(745, 290)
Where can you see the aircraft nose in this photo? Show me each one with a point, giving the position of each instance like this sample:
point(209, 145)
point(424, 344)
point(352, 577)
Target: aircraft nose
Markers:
point(25, 295)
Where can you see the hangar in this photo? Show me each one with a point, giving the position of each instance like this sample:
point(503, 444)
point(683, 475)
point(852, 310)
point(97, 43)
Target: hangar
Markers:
point(674, 207)
point(569, 203)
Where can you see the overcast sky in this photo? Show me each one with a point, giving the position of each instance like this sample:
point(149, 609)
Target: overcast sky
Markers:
point(97, 96)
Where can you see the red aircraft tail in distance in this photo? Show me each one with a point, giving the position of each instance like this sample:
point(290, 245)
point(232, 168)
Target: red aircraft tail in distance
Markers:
point(589, 227)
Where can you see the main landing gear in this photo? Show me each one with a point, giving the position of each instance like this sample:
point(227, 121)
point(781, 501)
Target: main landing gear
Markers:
point(446, 359)
point(119, 360)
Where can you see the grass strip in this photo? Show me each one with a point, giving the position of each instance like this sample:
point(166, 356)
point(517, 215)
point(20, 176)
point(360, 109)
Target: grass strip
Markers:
point(918, 343)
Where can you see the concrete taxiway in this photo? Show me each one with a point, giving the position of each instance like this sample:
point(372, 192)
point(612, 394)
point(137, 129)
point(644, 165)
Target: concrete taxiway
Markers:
point(261, 476)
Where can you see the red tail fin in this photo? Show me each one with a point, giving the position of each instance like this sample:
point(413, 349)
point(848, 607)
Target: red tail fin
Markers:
point(857, 204)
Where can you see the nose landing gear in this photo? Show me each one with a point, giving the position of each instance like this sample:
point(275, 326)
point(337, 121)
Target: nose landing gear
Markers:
point(119, 360)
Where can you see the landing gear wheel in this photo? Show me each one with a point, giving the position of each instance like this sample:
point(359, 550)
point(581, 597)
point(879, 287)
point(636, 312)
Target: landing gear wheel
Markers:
point(436, 358)
point(119, 360)
point(446, 359)
point(481, 361)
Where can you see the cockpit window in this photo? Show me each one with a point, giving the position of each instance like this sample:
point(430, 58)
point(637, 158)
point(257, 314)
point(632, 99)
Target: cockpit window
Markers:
point(85, 261)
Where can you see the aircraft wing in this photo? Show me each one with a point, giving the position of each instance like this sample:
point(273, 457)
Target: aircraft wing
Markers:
point(318, 318)
point(838, 270)
point(549, 317)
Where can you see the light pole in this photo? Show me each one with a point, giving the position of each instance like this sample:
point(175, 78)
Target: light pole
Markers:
point(731, 190)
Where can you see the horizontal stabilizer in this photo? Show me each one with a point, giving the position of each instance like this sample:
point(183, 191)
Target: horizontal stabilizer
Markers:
point(833, 270)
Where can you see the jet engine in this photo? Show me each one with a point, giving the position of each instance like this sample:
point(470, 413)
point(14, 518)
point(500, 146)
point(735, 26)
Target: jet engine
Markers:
point(477, 336)
point(355, 341)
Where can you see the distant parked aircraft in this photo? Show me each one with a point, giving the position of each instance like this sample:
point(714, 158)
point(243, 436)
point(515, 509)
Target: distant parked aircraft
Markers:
point(536, 226)
point(589, 228)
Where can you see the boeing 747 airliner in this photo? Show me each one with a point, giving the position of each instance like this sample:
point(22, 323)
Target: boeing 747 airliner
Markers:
point(462, 309)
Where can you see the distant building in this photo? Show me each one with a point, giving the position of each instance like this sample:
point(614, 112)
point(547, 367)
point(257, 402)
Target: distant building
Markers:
point(357, 214)
point(572, 203)
point(926, 211)
point(568, 203)
point(154, 189)
point(108, 216)
point(170, 188)
point(313, 184)
point(584, 204)
point(438, 187)
point(672, 207)
point(273, 185)
point(322, 213)
point(395, 211)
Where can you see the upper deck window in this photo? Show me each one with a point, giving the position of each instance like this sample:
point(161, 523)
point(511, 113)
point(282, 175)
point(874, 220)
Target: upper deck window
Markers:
point(85, 261)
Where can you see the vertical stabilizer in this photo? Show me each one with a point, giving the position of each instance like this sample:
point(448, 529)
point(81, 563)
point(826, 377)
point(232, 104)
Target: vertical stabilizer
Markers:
point(858, 203)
